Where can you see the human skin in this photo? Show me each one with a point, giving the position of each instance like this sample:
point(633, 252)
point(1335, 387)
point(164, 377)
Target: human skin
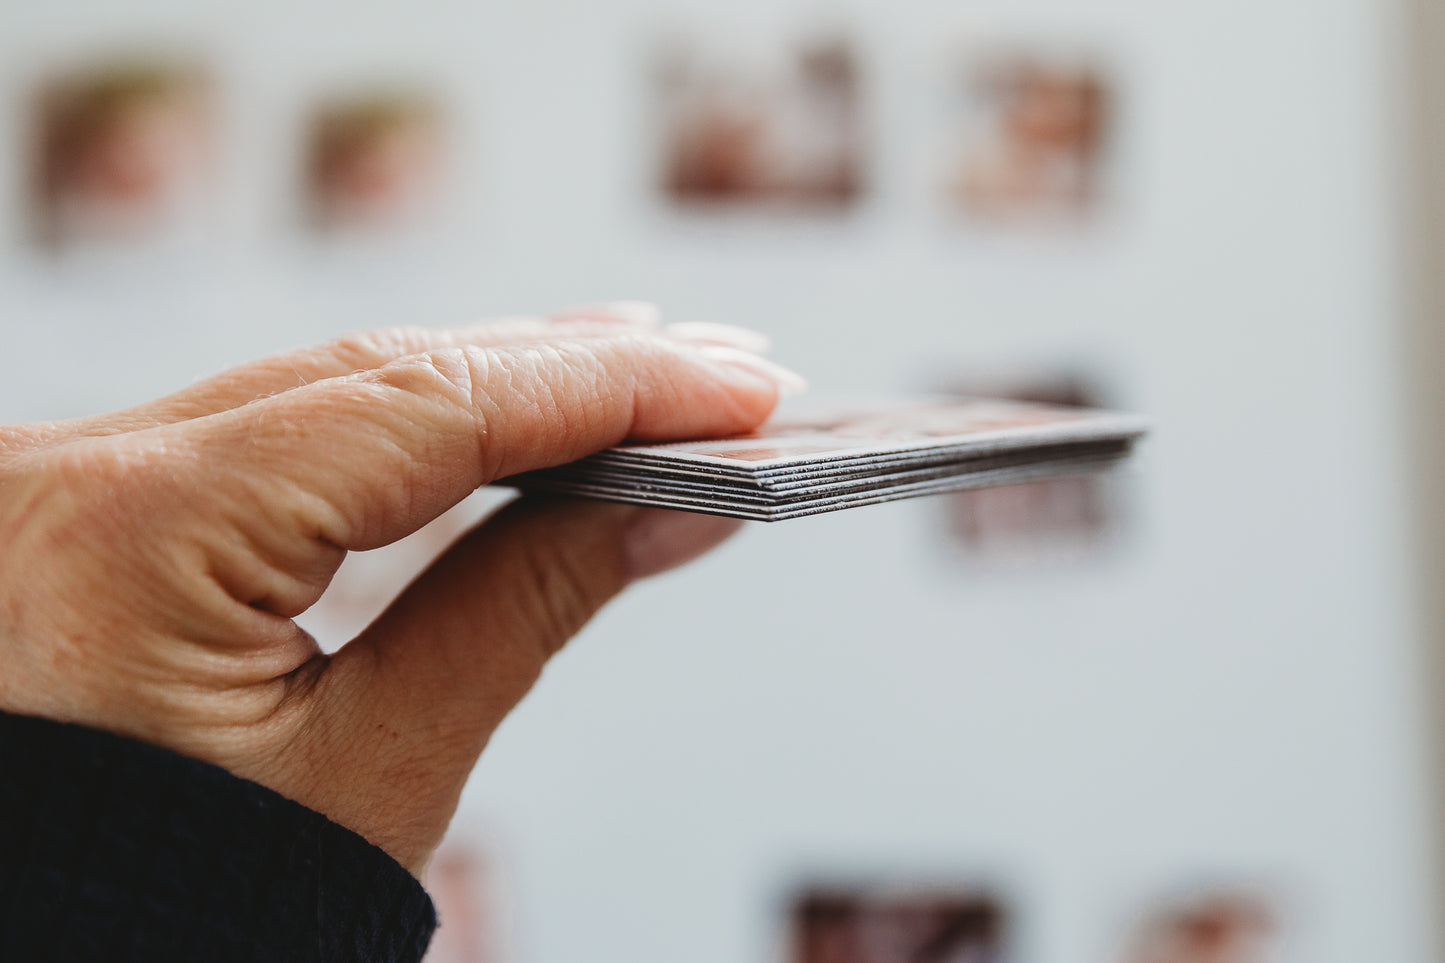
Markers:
point(154, 558)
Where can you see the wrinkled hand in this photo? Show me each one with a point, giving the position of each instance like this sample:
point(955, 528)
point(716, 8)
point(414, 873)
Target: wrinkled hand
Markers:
point(153, 560)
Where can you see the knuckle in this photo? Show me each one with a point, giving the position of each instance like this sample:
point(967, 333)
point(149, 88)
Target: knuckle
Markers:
point(106, 481)
point(84, 465)
point(575, 387)
point(65, 501)
point(449, 374)
point(370, 349)
point(448, 386)
point(14, 438)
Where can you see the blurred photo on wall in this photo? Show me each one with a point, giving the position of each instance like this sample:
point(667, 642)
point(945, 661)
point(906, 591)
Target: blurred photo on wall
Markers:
point(776, 123)
point(1058, 521)
point(1032, 135)
point(122, 151)
point(373, 161)
point(1217, 926)
point(891, 925)
point(462, 882)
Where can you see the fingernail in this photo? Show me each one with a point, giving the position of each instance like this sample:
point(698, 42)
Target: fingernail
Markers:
point(787, 381)
point(643, 314)
point(659, 539)
point(704, 332)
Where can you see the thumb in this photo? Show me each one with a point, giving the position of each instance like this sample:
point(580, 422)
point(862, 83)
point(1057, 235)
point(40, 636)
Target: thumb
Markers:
point(410, 704)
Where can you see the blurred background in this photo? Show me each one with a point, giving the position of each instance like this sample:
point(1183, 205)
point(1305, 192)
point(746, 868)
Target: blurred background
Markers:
point(1182, 715)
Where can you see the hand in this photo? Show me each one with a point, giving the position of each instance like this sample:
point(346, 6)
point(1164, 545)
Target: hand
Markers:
point(154, 559)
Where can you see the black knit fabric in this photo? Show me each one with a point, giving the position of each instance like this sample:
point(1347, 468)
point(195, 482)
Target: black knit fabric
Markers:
point(112, 849)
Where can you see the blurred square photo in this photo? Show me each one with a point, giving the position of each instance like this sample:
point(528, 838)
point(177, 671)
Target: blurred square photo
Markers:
point(121, 151)
point(862, 925)
point(769, 123)
point(1215, 926)
point(1032, 136)
point(372, 161)
point(1044, 522)
point(464, 884)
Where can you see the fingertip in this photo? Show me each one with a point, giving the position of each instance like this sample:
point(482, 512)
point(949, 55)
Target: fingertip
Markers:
point(785, 382)
point(642, 314)
point(706, 332)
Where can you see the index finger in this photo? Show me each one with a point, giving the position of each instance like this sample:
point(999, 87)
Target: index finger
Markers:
point(364, 460)
point(332, 359)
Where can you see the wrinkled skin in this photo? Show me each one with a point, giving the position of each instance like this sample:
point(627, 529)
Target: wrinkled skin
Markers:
point(154, 559)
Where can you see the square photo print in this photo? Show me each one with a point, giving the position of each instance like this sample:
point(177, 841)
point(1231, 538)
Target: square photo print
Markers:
point(373, 160)
point(896, 925)
point(1031, 136)
point(121, 152)
point(775, 123)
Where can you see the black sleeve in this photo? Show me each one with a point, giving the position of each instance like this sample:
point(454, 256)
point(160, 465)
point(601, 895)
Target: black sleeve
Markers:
point(112, 849)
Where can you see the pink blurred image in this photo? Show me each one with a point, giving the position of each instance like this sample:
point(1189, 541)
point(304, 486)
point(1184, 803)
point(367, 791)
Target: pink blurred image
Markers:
point(121, 151)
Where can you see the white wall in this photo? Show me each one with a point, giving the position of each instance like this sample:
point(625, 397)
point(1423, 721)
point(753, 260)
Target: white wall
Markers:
point(1231, 695)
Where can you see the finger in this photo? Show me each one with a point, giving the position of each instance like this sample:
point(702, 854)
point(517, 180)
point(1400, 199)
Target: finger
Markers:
point(644, 314)
point(364, 460)
point(419, 693)
point(705, 332)
point(369, 350)
point(337, 358)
